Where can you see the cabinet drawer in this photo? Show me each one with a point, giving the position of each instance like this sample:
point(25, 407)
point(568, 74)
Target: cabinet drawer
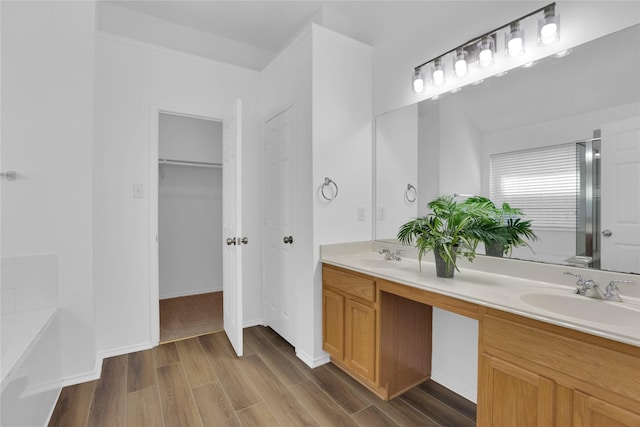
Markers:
point(349, 283)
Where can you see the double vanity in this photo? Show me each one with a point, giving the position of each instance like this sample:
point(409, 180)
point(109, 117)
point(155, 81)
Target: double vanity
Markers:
point(546, 356)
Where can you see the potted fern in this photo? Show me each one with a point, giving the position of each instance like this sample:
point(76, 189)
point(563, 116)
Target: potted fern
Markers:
point(450, 230)
point(507, 221)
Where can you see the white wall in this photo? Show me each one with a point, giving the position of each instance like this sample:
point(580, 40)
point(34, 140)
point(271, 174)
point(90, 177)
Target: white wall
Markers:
point(460, 169)
point(133, 82)
point(342, 138)
point(190, 230)
point(396, 166)
point(47, 119)
point(190, 138)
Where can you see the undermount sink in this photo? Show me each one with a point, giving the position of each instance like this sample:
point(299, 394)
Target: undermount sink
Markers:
point(590, 309)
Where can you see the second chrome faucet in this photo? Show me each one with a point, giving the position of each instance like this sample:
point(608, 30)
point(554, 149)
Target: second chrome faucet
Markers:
point(591, 289)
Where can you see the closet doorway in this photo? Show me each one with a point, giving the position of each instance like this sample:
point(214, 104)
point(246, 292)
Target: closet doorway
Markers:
point(189, 226)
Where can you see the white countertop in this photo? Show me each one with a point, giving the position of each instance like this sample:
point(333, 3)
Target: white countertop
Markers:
point(548, 302)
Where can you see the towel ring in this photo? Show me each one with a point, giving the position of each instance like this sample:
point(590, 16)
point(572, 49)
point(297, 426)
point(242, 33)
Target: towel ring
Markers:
point(410, 193)
point(327, 183)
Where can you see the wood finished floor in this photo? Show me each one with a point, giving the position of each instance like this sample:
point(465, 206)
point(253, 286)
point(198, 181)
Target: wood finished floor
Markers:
point(200, 382)
point(189, 316)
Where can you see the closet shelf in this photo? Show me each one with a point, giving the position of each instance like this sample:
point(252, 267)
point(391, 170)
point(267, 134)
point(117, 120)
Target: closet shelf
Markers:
point(189, 163)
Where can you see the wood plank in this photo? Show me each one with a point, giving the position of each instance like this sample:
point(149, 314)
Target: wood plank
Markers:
point(214, 406)
point(453, 400)
point(195, 362)
point(435, 409)
point(109, 396)
point(143, 408)
point(141, 372)
point(166, 354)
point(320, 406)
point(406, 415)
point(287, 410)
point(178, 406)
point(72, 407)
point(226, 365)
point(257, 416)
point(373, 417)
point(398, 410)
point(331, 383)
point(273, 358)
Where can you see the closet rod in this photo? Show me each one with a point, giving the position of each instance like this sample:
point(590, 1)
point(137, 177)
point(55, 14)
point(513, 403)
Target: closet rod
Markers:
point(189, 163)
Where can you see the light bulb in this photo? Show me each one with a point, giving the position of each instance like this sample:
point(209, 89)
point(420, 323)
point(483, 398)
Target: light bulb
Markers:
point(418, 81)
point(515, 46)
point(460, 63)
point(461, 67)
point(418, 85)
point(549, 27)
point(437, 74)
point(515, 40)
point(485, 48)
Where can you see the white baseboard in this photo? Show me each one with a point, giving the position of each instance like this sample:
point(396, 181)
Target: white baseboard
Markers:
point(95, 374)
point(252, 322)
point(462, 389)
point(313, 362)
point(188, 293)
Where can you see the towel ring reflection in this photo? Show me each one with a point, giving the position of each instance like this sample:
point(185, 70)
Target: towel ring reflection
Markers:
point(328, 182)
point(410, 193)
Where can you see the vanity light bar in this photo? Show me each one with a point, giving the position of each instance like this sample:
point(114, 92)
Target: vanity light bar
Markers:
point(483, 48)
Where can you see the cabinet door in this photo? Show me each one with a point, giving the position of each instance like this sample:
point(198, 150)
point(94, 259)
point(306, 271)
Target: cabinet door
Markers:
point(589, 411)
point(360, 338)
point(333, 324)
point(513, 396)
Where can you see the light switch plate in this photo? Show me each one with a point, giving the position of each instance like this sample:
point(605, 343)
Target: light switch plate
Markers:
point(138, 191)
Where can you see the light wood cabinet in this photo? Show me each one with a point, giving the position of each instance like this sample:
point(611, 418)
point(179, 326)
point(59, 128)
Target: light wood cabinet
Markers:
point(516, 394)
point(333, 323)
point(536, 374)
point(388, 353)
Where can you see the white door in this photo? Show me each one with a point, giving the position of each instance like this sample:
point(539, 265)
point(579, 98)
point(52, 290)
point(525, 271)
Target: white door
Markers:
point(620, 199)
point(280, 223)
point(232, 225)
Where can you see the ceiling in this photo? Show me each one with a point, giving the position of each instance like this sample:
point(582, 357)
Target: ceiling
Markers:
point(251, 33)
point(263, 24)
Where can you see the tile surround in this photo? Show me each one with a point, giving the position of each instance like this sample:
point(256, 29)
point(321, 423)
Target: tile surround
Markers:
point(28, 282)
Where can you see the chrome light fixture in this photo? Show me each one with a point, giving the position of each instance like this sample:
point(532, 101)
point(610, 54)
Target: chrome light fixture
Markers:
point(549, 26)
point(514, 39)
point(418, 80)
point(483, 49)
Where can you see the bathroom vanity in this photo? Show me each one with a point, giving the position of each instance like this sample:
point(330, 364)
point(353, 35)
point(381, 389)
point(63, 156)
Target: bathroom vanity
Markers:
point(538, 366)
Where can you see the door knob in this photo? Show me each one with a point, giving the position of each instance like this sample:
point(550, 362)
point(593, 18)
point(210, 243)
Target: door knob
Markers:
point(288, 239)
point(231, 241)
point(244, 240)
point(607, 233)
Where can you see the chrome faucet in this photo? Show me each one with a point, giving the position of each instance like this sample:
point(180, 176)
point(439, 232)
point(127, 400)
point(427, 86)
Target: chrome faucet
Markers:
point(587, 288)
point(612, 292)
point(388, 255)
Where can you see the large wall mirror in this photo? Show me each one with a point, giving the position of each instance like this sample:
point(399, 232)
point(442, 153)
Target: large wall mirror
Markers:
point(585, 105)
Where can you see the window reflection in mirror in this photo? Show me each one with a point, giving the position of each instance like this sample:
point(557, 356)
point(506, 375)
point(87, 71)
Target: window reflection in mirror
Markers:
point(445, 146)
